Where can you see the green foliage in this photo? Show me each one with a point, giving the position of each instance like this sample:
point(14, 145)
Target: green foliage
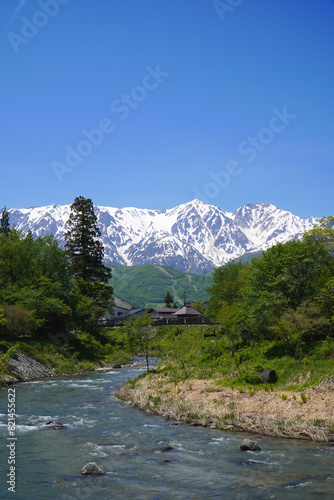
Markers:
point(284, 277)
point(294, 324)
point(303, 397)
point(4, 223)
point(3, 320)
point(140, 333)
point(118, 356)
point(320, 240)
point(84, 252)
point(248, 378)
point(199, 305)
point(286, 294)
point(227, 286)
point(39, 295)
point(201, 352)
point(226, 318)
point(83, 248)
point(168, 299)
point(16, 320)
point(156, 400)
point(146, 285)
point(66, 367)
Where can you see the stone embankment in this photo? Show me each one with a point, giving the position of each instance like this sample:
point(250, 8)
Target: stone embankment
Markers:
point(24, 368)
point(284, 414)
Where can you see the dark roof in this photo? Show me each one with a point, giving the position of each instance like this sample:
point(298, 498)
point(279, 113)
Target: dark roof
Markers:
point(129, 313)
point(187, 311)
point(163, 310)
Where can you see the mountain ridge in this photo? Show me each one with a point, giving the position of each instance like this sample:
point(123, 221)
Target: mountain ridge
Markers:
point(193, 237)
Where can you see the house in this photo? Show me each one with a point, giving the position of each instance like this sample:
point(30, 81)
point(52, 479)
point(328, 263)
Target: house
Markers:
point(134, 313)
point(169, 316)
point(187, 312)
point(120, 307)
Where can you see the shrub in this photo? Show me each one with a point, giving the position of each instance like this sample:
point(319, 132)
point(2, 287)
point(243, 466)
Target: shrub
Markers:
point(16, 320)
point(66, 367)
point(119, 356)
point(247, 378)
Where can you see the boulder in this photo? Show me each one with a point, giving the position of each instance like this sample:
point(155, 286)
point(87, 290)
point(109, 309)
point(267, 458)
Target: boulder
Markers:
point(268, 376)
point(164, 449)
point(91, 469)
point(249, 445)
point(55, 425)
point(116, 365)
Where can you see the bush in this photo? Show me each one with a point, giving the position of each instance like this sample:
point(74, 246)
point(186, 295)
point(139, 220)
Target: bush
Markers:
point(16, 320)
point(119, 356)
point(66, 367)
point(247, 378)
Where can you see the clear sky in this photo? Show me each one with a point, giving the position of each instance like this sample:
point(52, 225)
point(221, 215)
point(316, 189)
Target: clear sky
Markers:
point(152, 103)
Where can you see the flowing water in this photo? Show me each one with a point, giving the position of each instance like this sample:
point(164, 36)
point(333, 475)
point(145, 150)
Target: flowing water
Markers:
point(126, 443)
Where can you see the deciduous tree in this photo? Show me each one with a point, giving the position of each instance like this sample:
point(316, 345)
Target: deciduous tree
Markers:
point(140, 334)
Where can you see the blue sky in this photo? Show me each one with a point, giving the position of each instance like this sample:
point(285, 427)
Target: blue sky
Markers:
point(152, 103)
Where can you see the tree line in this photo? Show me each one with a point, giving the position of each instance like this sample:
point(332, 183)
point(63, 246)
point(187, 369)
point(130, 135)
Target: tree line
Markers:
point(44, 288)
point(287, 294)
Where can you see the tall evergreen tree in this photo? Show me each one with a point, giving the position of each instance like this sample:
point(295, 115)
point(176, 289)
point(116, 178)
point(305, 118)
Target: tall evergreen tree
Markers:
point(83, 248)
point(168, 299)
point(4, 222)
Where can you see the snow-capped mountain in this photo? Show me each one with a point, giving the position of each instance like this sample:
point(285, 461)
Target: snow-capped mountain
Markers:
point(193, 237)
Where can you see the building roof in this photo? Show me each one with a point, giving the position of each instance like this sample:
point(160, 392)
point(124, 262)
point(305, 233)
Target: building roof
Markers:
point(128, 314)
point(121, 303)
point(187, 311)
point(163, 310)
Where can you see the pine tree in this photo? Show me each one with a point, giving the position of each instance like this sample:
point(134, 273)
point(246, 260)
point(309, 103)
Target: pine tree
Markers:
point(168, 299)
point(83, 248)
point(4, 222)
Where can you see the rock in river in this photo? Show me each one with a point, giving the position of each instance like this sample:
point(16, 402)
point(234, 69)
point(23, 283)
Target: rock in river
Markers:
point(249, 445)
point(91, 469)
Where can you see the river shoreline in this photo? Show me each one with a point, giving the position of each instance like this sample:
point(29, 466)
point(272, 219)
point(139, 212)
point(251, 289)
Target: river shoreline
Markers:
point(285, 414)
point(27, 369)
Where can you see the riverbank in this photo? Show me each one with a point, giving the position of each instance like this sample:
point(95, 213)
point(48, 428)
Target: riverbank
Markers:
point(284, 414)
point(24, 368)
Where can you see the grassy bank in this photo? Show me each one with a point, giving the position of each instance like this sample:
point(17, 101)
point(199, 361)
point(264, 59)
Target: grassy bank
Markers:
point(202, 381)
point(67, 354)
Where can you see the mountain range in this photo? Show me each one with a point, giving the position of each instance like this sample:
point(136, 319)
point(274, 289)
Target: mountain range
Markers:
point(193, 237)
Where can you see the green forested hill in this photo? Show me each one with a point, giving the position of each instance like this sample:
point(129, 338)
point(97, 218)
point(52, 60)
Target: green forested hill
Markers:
point(147, 285)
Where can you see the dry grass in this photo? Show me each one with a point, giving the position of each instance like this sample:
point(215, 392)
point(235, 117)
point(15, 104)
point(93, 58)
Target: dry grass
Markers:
point(201, 402)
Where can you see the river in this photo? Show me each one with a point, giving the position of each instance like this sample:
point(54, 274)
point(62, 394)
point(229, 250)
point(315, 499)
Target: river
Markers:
point(126, 443)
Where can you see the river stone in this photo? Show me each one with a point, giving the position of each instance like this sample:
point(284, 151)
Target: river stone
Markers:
point(55, 425)
point(249, 445)
point(91, 469)
point(268, 376)
point(116, 365)
point(164, 449)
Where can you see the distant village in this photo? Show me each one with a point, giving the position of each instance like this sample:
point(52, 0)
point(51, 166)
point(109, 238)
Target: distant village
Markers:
point(160, 315)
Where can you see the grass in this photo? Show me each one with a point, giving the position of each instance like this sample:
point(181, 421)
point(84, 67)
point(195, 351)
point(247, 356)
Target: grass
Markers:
point(195, 352)
point(303, 398)
point(82, 352)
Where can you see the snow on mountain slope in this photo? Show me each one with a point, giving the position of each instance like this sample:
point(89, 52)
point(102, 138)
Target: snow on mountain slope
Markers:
point(193, 237)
